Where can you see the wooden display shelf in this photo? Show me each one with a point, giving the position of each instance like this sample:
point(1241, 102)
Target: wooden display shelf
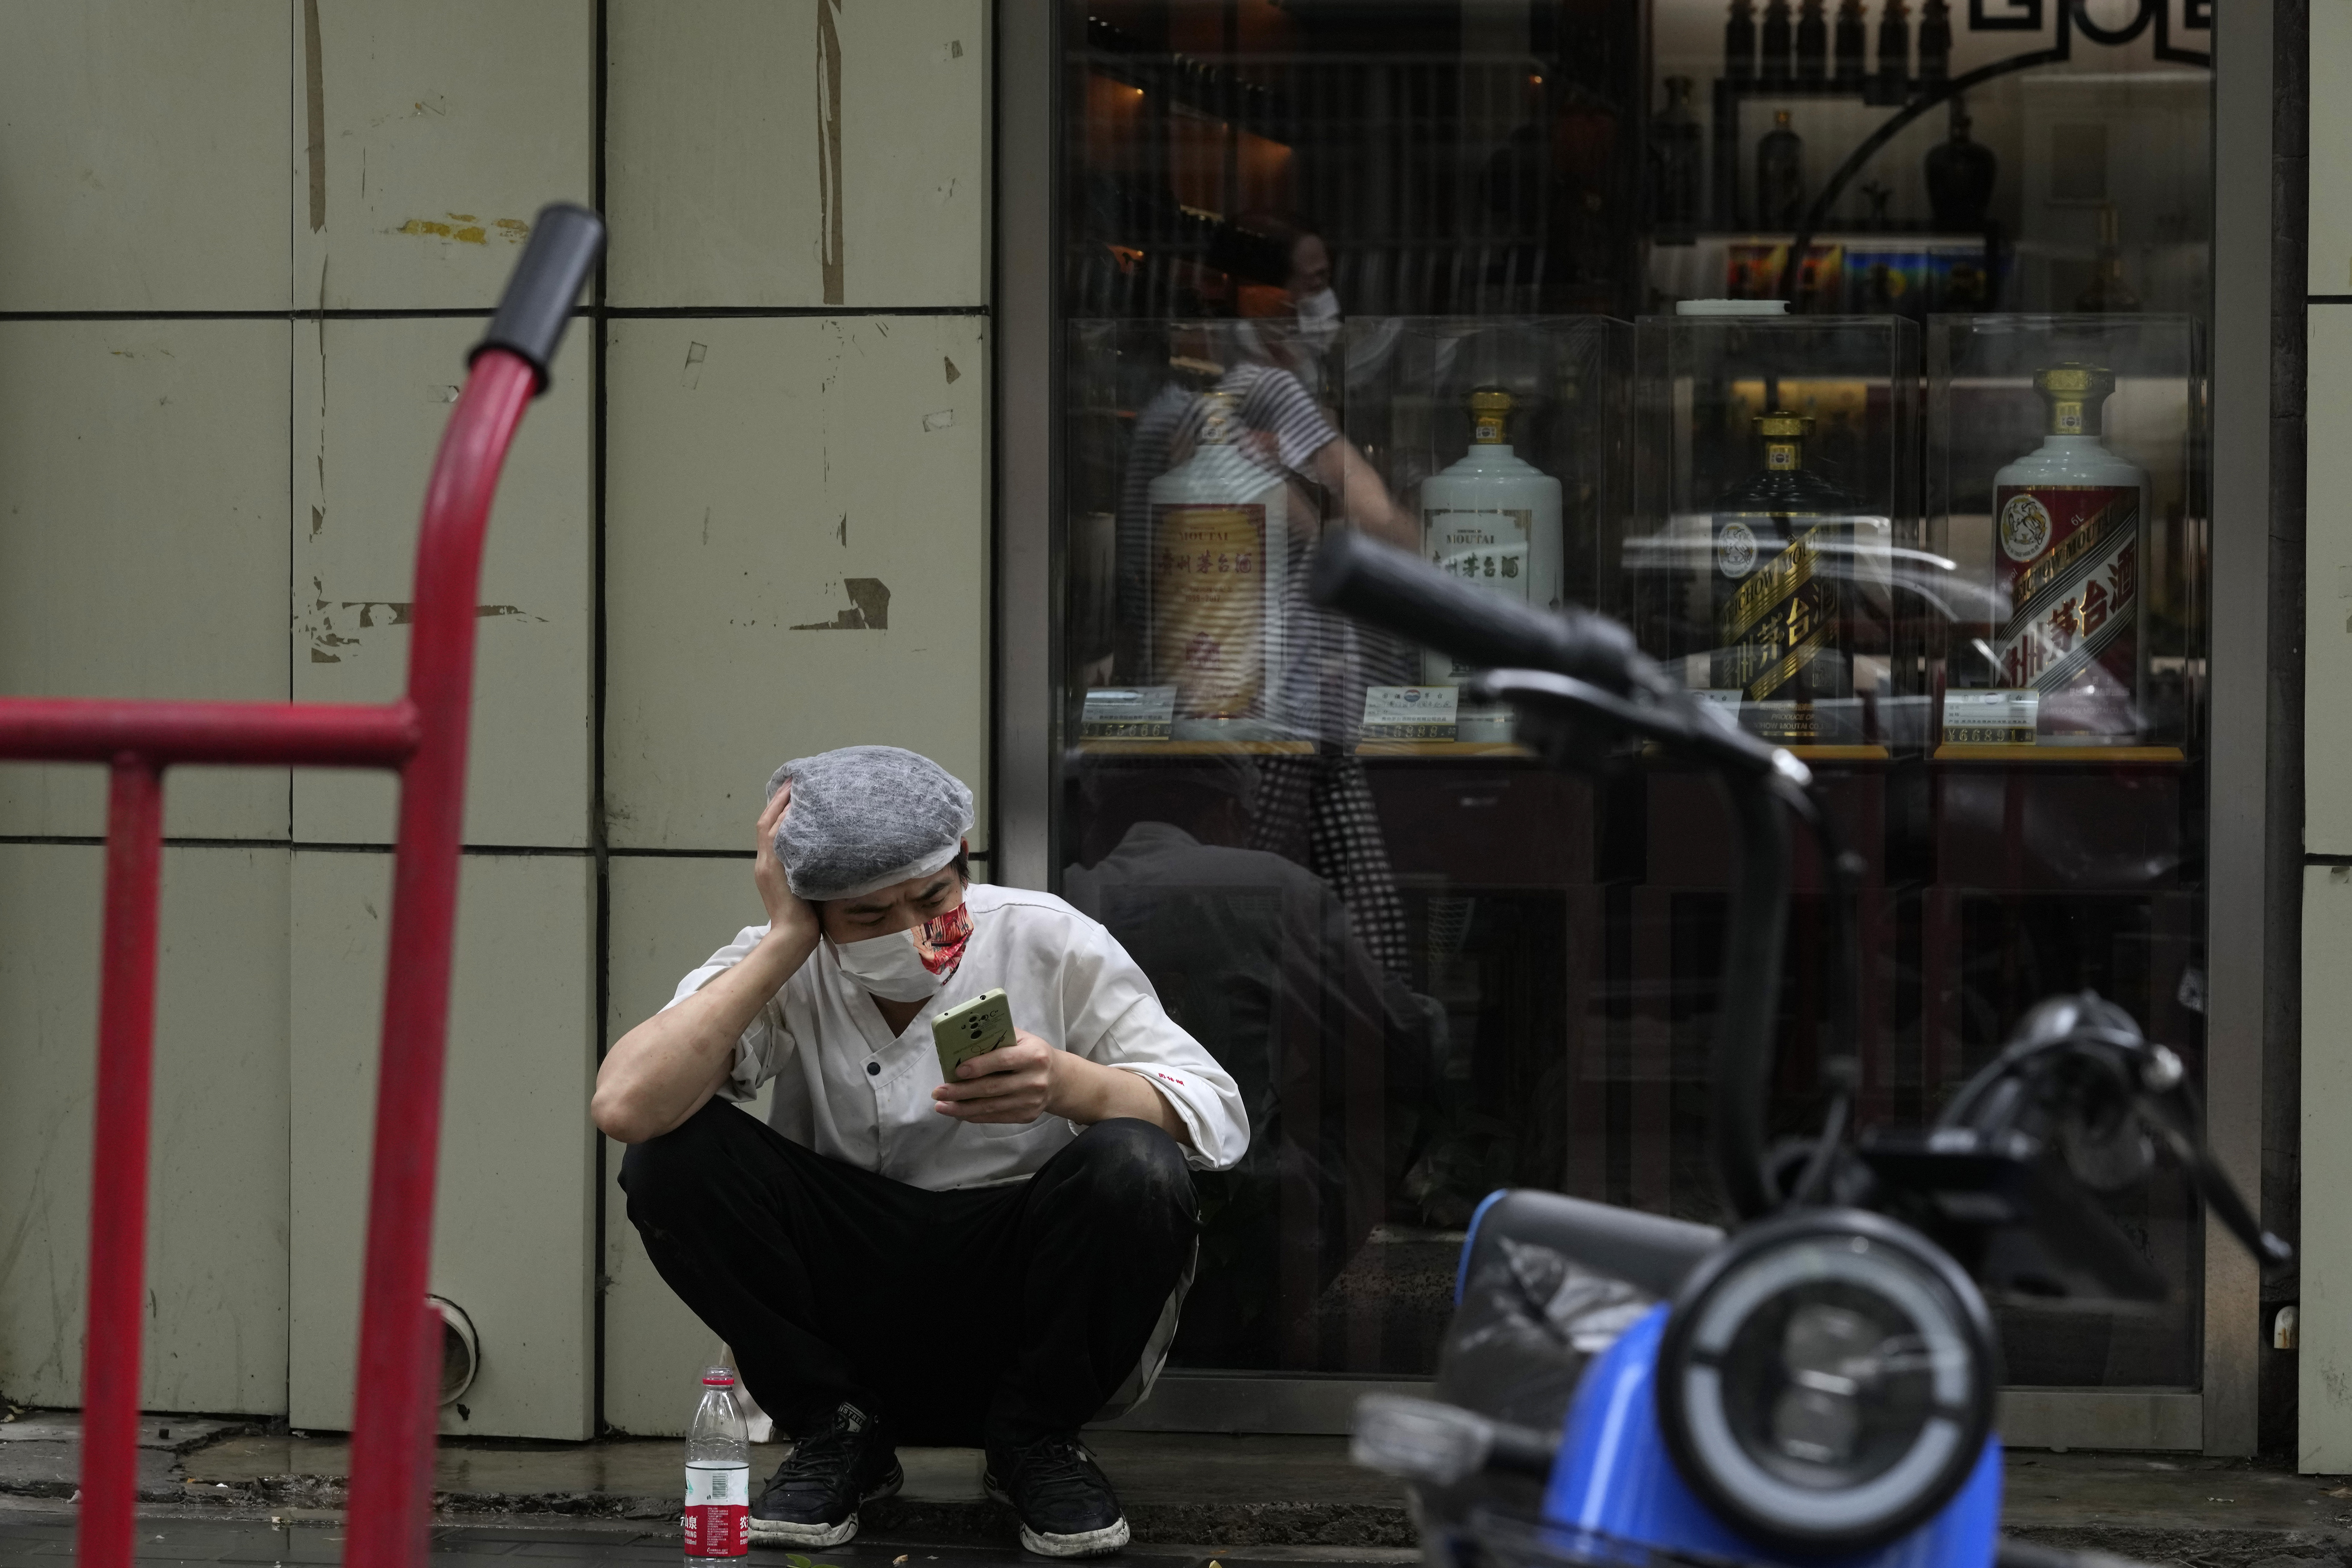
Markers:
point(2059, 754)
point(1839, 754)
point(1441, 748)
point(1196, 748)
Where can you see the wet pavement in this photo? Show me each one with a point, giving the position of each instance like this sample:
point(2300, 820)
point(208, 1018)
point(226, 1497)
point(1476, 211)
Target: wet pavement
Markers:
point(216, 1492)
point(42, 1536)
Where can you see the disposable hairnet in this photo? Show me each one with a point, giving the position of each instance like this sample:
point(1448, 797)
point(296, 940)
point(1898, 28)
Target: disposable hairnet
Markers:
point(865, 816)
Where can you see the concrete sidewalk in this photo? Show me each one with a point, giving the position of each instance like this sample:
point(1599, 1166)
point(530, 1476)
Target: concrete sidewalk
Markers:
point(1272, 1496)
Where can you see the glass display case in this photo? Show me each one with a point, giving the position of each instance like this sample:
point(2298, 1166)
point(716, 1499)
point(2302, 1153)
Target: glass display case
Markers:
point(1651, 309)
point(2063, 454)
point(1775, 524)
point(1507, 443)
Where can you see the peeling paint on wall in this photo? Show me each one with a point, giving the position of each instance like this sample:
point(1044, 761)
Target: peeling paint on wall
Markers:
point(869, 607)
point(828, 161)
point(314, 78)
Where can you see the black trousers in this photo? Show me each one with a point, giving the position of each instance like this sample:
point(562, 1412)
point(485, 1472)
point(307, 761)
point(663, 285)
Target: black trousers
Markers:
point(988, 1314)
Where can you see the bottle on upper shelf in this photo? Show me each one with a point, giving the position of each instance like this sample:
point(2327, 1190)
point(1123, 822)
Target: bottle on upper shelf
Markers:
point(1935, 42)
point(1219, 542)
point(1894, 51)
point(1813, 43)
point(1779, 176)
point(1677, 154)
point(1853, 46)
point(1492, 518)
point(1739, 41)
point(1782, 541)
point(2068, 521)
point(1778, 61)
point(2108, 291)
point(1959, 176)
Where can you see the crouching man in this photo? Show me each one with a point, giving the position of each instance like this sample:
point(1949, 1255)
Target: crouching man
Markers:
point(893, 1255)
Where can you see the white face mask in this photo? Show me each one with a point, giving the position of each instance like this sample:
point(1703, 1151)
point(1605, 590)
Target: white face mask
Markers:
point(890, 966)
point(1319, 317)
point(908, 966)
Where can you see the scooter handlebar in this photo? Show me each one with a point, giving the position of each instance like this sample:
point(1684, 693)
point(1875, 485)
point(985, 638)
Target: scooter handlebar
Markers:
point(1405, 595)
point(565, 241)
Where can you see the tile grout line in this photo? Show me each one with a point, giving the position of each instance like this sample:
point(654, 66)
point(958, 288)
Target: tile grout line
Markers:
point(600, 983)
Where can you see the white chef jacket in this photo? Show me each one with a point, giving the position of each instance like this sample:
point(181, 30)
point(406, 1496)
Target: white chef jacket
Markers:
point(849, 1089)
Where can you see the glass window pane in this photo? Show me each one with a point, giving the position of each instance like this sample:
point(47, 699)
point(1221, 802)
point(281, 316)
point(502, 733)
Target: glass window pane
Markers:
point(1424, 268)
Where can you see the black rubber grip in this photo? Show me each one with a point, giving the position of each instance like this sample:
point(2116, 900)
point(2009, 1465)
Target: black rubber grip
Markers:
point(565, 241)
point(1386, 588)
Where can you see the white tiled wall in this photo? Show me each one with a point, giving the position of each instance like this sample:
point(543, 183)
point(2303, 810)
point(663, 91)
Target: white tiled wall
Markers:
point(514, 1224)
point(218, 1203)
point(754, 468)
point(723, 139)
point(2324, 1357)
point(446, 124)
point(144, 164)
point(369, 401)
point(667, 914)
point(143, 544)
point(227, 509)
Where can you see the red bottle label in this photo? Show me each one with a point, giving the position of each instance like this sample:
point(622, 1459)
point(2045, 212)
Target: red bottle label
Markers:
point(718, 1510)
point(2069, 566)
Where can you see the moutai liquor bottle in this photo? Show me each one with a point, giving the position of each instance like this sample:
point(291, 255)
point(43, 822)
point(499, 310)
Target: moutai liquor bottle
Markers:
point(1492, 519)
point(1782, 547)
point(1218, 542)
point(2069, 519)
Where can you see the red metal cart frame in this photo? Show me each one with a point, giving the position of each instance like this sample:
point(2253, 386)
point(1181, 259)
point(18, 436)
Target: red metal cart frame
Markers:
point(422, 736)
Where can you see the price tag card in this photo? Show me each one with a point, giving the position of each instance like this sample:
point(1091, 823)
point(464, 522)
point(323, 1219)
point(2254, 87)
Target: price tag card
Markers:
point(1995, 718)
point(1489, 724)
point(1410, 712)
point(1127, 713)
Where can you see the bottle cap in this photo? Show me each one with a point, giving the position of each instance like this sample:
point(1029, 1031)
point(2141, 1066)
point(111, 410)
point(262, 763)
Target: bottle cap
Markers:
point(1781, 425)
point(1490, 400)
point(719, 1377)
point(2073, 381)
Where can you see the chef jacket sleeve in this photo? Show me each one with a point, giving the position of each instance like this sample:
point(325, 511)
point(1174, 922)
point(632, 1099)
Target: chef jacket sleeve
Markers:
point(765, 1044)
point(1113, 1017)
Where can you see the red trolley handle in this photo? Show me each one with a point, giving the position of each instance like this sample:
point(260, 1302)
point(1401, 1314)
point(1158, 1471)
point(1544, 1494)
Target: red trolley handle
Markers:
point(423, 736)
point(397, 1400)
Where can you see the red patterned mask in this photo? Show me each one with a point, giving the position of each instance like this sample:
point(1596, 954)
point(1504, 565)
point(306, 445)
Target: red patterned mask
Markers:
point(940, 940)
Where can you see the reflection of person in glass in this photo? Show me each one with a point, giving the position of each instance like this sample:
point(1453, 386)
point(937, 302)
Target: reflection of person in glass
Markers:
point(1256, 958)
point(1234, 384)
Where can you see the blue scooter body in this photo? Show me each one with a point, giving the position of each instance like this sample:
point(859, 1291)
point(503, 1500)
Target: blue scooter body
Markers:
point(1616, 1479)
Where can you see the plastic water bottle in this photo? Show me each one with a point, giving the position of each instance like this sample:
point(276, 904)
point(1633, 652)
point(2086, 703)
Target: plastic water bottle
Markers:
point(718, 1472)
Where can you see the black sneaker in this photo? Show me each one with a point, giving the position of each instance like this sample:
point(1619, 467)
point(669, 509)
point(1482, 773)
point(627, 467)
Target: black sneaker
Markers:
point(1065, 1506)
point(813, 1497)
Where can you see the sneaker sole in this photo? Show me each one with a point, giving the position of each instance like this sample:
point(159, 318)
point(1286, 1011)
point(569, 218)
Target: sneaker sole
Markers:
point(776, 1532)
point(1084, 1543)
point(1087, 1544)
point(783, 1532)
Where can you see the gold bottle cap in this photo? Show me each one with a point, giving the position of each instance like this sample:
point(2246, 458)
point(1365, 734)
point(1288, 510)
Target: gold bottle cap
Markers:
point(1217, 416)
point(1490, 406)
point(1783, 426)
point(2074, 381)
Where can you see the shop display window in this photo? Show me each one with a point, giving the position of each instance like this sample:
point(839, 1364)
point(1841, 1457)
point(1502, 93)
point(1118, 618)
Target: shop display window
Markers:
point(1750, 322)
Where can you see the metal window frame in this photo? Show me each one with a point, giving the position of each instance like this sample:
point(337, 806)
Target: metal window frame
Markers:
point(2221, 1417)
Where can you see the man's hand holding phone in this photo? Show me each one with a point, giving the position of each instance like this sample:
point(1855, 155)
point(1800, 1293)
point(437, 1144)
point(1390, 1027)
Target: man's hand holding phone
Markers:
point(1013, 1082)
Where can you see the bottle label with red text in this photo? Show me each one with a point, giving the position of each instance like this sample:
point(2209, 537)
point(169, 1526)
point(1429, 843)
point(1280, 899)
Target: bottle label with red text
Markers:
point(718, 1510)
point(2069, 566)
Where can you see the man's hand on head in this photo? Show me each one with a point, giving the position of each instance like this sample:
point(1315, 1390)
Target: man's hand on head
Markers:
point(788, 913)
point(1012, 1083)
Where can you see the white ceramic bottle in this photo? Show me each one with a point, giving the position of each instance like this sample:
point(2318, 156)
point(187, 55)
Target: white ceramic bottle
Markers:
point(2070, 519)
point(1219, 543)
point(1492, 518)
